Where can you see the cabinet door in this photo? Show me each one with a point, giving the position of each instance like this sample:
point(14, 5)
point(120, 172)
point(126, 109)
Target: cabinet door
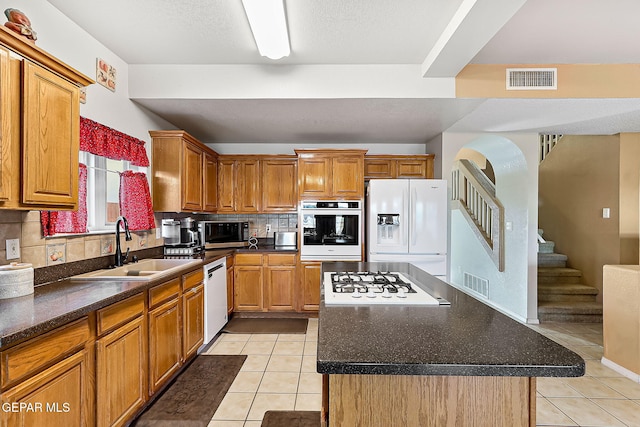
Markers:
point(279, 185)
point(165, 343)
point(379, 168)
point(230, 284)
point(121, 373)
point(51, 132)
point(280, 288)
point(248, 189)
point(6, 164)
point(348, 177)
point(226, 185)
point(314, 177)
point(63, 393)
point(210, 183)
point(310, 286)
point(247, 287)
point(192, 160)
point(193, 320)
point(412, 168)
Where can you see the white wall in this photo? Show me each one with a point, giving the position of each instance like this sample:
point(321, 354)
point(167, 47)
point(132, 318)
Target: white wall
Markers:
point(434, 146)
point(67, 41)
point(514, 158)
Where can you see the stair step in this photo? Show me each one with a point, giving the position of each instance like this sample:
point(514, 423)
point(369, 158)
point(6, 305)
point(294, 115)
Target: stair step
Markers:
point(570, 312)
point(558, 275)
point(546, 247)
point(566, 292)
point(552, 260)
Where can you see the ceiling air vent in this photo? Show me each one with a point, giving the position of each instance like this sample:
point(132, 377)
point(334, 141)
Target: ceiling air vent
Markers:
point(532, 79)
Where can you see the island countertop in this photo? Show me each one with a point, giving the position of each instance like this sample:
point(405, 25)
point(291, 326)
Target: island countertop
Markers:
point(467, 338)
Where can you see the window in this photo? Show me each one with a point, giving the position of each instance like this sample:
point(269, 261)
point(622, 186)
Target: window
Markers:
point(103, 185)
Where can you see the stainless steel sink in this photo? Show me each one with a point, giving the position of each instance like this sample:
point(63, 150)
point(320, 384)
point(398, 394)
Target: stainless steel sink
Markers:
point(145, 270)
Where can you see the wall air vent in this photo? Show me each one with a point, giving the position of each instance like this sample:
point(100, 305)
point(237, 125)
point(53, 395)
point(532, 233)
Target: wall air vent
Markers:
point(532, 78)
point(476, 284)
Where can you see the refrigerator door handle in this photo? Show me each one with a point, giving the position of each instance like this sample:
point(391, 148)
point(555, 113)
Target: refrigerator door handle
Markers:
point(404, 222)
point(414, 235)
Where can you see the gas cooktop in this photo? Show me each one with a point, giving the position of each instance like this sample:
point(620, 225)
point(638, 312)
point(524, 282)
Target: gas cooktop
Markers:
point(366, 287)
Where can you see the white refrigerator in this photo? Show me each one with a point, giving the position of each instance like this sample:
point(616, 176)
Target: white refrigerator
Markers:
point(407, 222)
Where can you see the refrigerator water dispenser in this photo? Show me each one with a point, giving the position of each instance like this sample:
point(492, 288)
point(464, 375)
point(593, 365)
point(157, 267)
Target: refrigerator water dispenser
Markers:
point(388, 227)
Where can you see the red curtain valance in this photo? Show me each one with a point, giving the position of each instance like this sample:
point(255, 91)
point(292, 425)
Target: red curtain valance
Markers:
point(103, 141)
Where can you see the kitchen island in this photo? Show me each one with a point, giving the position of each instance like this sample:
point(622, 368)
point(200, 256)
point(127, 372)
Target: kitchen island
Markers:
point(451, 365)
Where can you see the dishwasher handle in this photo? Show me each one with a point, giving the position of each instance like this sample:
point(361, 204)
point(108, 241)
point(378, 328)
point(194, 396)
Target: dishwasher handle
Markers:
point(211, 270)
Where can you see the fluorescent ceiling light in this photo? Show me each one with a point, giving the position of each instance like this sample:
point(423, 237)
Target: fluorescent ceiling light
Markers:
point(269, 26)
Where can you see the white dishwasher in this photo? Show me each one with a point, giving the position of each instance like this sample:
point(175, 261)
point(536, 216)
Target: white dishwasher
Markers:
point(215, 298)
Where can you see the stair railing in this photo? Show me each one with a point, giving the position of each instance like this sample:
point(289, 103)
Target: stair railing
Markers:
point(547, 142)
point(475, 196)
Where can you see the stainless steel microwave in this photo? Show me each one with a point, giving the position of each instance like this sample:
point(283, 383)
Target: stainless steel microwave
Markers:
point(223, 234)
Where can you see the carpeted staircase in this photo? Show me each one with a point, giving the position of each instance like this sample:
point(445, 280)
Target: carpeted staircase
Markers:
point(562, 297)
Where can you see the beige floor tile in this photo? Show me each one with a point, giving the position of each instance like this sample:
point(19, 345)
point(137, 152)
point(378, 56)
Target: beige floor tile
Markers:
point(310, 383)
point(597, 369)
point(255, 362)
point(234, 337)
point(555, 387)
point(246, 382)
point(253, 423)
point(309, 364)
point(279, 382)
point(234, 407)
point(624, 386)
point(585, 413)
point(289, 348)
point(547, 414)
point(591, 387)
point(215, 423)
point(578, 340)
point(308, 402)
point(626, 410)
point(227, 348)
point(291, 337)
point(271, 402)
point(311, 336)
point(310, 348)
point(594, 352)
point(282, 363)
point(260, 347)
point(263, 337)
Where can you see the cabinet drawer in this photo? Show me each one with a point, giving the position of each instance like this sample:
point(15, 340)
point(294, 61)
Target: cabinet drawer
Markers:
point(248, 259)
point(119, 313)
point(192, 279)
point(164, 292)
point(27, 358)
point(281, 259)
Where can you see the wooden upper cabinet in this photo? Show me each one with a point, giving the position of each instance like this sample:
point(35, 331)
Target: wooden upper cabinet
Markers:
point(396, 166)
point(249, 188)
point(40, 127)
point(210, 182)
point(226, 185)
point(182, 173)
point(51, 138)
point(331, 174)
point(279, 185)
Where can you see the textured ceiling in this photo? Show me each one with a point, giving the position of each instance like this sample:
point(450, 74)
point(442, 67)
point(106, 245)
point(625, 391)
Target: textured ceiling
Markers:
point(367, 32)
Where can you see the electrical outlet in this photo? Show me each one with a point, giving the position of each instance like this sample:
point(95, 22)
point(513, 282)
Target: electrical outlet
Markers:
point(158, 233)
point(13, 248)
point(268, 228)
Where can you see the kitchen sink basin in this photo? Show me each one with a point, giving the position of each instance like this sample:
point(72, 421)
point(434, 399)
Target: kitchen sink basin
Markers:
point(145, 270)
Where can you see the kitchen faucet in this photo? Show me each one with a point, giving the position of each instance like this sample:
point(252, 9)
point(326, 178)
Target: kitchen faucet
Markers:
point(127, 235)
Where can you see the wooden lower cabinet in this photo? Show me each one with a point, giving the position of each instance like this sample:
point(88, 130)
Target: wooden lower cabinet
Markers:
point(193, 320)
point(247, 290)
point(229, 284)
point(310, 282)
point(121, 372)
point(165, 343)
point(280, 283)
point(61, 395)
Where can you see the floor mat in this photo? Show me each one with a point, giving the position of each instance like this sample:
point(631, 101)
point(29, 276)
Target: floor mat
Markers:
point(266, 326)
point(195, 395)
point(291, 419)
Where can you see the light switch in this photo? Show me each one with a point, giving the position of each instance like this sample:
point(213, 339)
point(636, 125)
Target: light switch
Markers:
point(606, 213)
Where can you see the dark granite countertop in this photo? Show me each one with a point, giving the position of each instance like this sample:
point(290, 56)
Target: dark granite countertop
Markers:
point(57, 303)
point(466, 338)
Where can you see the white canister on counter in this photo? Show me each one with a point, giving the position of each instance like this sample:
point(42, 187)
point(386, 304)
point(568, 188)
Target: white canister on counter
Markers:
point(16, 280)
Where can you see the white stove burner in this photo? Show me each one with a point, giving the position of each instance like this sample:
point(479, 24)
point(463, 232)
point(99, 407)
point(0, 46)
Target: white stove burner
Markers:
point(349, 288)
